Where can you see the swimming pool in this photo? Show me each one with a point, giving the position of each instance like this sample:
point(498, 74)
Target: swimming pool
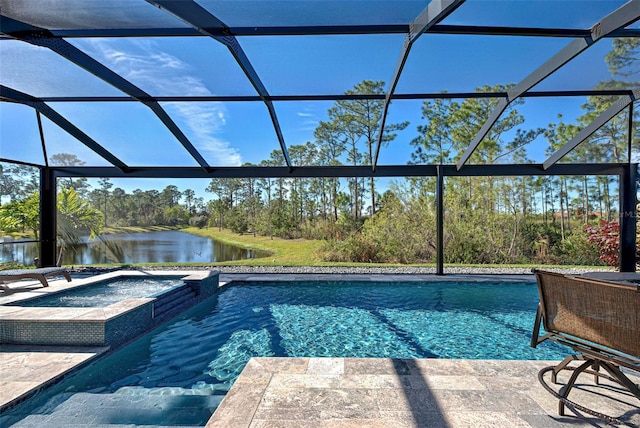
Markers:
point(104, 293)
point(199, 355)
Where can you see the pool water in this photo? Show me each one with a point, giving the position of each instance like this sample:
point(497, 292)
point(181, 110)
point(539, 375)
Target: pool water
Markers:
point(202, 352)
point(104, 293)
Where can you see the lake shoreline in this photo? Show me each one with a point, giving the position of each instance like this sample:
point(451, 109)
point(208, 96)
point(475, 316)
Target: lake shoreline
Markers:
point(134, 247)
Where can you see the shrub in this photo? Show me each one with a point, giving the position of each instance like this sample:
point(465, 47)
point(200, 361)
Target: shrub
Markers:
point(606, 238)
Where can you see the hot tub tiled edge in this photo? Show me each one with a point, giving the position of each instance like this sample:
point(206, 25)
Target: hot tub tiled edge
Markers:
point(204, 283)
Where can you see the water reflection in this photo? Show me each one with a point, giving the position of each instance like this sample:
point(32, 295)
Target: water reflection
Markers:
point(147, 247)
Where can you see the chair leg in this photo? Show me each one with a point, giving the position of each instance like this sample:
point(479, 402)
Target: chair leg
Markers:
point(557, 369)
point(564, 392)
point(42, 279)
point(616, 373)
point(596, 374)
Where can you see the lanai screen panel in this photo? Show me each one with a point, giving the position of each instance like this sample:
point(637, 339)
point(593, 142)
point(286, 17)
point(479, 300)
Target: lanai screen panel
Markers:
point(322, 64)
point(170, 66)
point(227, 134)
point(88, 15)
point(20, 143)
point(39, 72)
point(279, 13)
point(128, 130)
point(591, 70)
point(225, 94)
point(459, 63)
point(569, 14)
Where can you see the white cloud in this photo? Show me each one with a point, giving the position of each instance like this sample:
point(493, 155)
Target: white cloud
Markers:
point(308, 125)
point(308, 120)
point(204, 122)
point(162, 74)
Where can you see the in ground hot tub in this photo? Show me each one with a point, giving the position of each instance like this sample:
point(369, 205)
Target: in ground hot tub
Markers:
point(106, 292)
point(108, 310)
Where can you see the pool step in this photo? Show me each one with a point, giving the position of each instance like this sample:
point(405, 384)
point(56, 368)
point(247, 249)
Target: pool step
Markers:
point(115, 410)
point(167, 304)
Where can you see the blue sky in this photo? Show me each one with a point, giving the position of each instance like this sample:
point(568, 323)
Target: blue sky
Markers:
point(229, 134)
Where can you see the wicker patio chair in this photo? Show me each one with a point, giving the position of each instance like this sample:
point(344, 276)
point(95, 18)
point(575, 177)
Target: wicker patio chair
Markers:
point(599, 320)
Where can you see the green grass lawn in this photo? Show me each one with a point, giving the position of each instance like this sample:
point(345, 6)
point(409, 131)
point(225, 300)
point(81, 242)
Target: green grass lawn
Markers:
point(293, 252)
point(283, 252)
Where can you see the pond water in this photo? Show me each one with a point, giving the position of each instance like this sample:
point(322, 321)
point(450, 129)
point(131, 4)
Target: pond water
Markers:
point(146, 247)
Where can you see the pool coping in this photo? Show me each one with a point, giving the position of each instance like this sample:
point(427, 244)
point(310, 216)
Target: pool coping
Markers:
point(27, 369)
point(374, 277)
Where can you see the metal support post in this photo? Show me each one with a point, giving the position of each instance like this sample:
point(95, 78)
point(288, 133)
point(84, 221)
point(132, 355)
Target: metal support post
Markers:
point(628, 189)
point(48, 213)
point(630, 133)
point(439, 221)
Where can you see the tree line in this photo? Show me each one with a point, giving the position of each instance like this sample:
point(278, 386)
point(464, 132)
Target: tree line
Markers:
point(487, 219)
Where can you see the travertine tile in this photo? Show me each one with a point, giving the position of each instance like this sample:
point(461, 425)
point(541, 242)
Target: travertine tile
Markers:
point(237, 408)
point(509, 383)
point(549, 421)
point(361, 422)
point(11, 390)
point(432, 366)
point(448, 382)
point(415, 401)
point(280, 381)
point(288, 414)
point(255, 379)
point(276, 423)
point(492, 401)
point(311, 398)
point(282, 365)
point(414, 418)
point(326, 366)
point(485, 420)
point(376, 366)
point(507, 367)
point(370, 381)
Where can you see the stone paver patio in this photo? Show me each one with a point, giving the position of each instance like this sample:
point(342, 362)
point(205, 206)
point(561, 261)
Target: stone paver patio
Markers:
point(25, 369)
point(342, 392)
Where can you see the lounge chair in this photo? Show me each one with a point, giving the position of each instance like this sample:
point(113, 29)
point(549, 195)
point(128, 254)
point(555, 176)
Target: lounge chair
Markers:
point(599, 320)
point(41, 274)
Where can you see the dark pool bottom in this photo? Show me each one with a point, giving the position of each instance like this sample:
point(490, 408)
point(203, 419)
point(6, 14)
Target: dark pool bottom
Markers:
point(202, 352)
